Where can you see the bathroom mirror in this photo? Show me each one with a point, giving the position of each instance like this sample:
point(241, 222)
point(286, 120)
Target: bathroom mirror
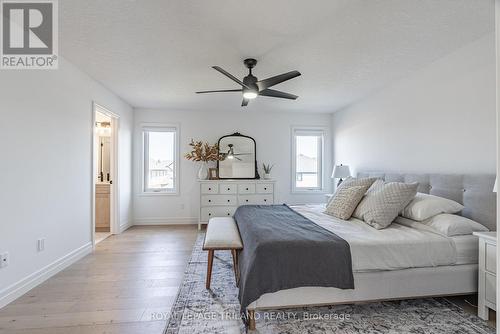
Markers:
point(238, 157)
point(103, 160)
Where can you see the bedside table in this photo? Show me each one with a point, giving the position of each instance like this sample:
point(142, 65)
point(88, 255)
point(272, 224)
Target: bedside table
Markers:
point(487, 273)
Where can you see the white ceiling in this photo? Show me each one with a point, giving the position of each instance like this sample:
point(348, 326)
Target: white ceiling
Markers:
point(157, 53)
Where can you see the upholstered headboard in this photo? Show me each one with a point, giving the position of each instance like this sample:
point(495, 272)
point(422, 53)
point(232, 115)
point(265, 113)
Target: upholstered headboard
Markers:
point(473, 191)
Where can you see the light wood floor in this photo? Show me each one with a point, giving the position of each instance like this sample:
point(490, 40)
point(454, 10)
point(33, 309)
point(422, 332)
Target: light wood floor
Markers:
point(125, 286)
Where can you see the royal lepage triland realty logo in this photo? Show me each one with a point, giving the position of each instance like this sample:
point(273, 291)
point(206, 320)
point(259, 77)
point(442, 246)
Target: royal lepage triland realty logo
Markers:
point(29, 33)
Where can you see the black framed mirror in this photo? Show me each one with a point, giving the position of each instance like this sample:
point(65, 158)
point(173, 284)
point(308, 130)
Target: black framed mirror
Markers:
point(238, 157)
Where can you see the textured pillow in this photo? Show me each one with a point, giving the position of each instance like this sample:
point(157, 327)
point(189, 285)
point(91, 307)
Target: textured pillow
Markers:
point(344, 201)
point(379, 183)
point(381, 205)
point(452, 225)
point(425, 206)
point(354, 182)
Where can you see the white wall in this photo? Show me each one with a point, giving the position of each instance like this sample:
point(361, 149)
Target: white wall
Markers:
point(439, 119)
point(272, 133)
point(45, 169)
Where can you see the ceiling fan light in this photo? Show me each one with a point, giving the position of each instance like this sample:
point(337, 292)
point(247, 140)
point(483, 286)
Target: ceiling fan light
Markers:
point(249, 95)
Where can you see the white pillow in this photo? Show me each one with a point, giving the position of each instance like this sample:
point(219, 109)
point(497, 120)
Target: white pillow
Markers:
point(453, 225)
point(425, 206)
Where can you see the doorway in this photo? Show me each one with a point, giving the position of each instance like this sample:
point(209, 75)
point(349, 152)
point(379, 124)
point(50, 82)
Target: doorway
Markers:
point(104, 174)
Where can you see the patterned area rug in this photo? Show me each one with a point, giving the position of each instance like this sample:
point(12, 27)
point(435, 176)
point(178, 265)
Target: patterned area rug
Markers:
point(197, 310)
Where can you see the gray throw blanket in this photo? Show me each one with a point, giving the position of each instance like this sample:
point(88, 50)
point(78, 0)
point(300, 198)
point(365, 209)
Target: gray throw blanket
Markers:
point(282, 250)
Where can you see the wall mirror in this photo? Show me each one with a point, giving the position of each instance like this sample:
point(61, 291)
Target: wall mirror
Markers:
point(237, 154)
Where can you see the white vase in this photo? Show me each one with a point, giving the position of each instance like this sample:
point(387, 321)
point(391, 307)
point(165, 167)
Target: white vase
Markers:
point(267, 176)
point(203, 171)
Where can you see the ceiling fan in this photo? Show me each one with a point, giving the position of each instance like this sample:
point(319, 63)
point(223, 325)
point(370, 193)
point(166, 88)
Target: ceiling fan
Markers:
point(251, 87)
point(231, 155)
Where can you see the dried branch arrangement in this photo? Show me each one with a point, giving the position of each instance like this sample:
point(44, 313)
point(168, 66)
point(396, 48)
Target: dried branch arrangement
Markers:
point(203, 152)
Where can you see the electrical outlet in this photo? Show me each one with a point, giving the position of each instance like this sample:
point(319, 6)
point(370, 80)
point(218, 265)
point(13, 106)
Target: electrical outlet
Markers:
point(4, 259)
point(40, 245)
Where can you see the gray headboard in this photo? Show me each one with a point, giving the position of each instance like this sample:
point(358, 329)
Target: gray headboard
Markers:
point(473, 191)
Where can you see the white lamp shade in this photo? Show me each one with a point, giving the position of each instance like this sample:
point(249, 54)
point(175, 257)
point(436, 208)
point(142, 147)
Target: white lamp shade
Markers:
point(341, 172)
point(495, 186)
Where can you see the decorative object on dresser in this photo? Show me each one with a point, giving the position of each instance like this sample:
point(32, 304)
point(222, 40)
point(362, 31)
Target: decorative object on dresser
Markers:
point(203, 153)
point(267, 171)
point(237, 157)
point(213, 174)
point(487, 291)
point(341, 172)
point(221, 198)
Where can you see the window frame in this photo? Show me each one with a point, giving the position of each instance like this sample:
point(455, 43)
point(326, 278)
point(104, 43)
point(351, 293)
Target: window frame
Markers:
point(308, 131)
point(145, 129)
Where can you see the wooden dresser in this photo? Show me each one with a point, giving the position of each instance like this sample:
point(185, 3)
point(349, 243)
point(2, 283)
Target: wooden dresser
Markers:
point(221, 198)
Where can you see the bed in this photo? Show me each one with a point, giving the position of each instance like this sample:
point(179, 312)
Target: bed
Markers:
point(399, 262)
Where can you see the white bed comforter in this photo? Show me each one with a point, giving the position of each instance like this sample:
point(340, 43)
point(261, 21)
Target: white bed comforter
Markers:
point(396, 247)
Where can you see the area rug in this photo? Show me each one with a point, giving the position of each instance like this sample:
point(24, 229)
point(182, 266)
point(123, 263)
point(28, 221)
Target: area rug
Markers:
point(197, 310)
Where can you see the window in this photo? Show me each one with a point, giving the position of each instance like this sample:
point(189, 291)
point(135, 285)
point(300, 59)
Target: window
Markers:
point(160, 160)
point(307, 159)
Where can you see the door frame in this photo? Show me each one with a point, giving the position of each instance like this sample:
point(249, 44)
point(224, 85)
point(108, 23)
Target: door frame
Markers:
point(114, 167)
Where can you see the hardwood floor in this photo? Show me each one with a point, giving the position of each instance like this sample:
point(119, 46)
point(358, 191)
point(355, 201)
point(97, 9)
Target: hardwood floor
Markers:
point(126, 286)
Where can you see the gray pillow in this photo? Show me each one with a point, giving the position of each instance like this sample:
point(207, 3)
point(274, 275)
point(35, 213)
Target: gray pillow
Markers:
point(381, 205)
point(344, 201)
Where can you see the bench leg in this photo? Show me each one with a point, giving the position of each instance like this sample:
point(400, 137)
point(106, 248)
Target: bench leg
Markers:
point(251, 320)
point(209, 267)
point(235, 264)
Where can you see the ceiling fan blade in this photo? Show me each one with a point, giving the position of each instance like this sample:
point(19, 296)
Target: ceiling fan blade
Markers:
point(219, 91)
point(266, 83)
point(244, 103)
point(277, 93)
point(230, 76)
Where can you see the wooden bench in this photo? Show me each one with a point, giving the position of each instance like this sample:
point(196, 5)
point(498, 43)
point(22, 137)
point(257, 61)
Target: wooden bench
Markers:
point(222, 234)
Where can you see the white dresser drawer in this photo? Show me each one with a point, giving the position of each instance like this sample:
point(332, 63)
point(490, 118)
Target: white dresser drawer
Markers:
point(216, 211)
point(209, 188)
point(255, 199)
point(490, 261)
point(490, 289)
point(248, 188)
point(265, 188)
point(211, 200)
point(228, 188)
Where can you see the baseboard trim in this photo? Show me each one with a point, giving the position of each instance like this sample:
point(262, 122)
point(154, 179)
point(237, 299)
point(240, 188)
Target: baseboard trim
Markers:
point(18, 289)
point(125, 226)
point(166, 221)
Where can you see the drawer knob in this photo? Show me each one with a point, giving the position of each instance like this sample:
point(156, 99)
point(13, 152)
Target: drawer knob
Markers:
point(209, 200)
point(265, 200)
point(247, 188)
point(265, 188)
point(246, 200)
point(209, 214)
point(228, 200)
point(228, 188)
point(209, 188)
point(228, 214)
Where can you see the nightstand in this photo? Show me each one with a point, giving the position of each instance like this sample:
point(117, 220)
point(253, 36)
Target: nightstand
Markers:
point(487, 273)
